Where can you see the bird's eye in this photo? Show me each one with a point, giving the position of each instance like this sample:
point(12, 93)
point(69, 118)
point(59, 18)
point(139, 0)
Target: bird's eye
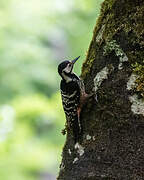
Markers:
point(69, 65)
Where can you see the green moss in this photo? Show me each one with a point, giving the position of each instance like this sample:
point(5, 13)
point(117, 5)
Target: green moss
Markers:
point(127, 23)
point(87, 67)
point(107, 5)
point(117, 23)
point(94, 46)
point(89, 62)
point(139, 70)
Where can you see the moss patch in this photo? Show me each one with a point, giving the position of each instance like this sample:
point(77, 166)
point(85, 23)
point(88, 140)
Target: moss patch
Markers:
point(119, 27)
point(139, 83)
point(89, 61)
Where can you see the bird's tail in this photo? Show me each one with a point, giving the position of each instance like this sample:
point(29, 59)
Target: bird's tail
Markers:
point(76, 129)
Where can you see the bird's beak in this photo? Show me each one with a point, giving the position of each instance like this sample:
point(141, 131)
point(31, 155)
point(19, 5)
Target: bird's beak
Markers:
point(73, 61)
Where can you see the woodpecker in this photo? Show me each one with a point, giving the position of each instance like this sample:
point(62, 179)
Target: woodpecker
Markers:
point(72, 89)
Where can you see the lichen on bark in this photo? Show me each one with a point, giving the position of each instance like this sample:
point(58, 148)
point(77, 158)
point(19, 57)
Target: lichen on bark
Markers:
point(115, 24)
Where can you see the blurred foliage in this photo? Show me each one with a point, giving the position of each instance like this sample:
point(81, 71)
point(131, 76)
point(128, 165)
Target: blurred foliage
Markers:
point(35, 36)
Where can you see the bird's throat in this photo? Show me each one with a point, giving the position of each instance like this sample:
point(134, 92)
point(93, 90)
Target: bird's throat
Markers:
point(66, 77)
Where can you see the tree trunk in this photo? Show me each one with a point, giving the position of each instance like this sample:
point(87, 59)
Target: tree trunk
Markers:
point(112, 145)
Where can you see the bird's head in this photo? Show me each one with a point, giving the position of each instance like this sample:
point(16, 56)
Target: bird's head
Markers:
point(65, 68)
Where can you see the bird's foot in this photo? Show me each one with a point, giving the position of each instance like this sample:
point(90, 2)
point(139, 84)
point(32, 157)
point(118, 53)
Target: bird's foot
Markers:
point(63, 131)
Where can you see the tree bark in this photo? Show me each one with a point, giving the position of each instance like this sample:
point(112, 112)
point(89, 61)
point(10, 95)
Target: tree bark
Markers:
point(112, 145)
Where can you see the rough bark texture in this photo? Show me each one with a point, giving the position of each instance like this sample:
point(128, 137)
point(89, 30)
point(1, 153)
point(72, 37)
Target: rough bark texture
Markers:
point(112, 146)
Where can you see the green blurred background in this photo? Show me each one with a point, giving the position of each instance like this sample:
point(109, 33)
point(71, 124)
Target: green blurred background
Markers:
point(35, 36)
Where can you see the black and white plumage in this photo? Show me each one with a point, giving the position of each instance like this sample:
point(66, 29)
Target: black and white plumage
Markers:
point(70, 92)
